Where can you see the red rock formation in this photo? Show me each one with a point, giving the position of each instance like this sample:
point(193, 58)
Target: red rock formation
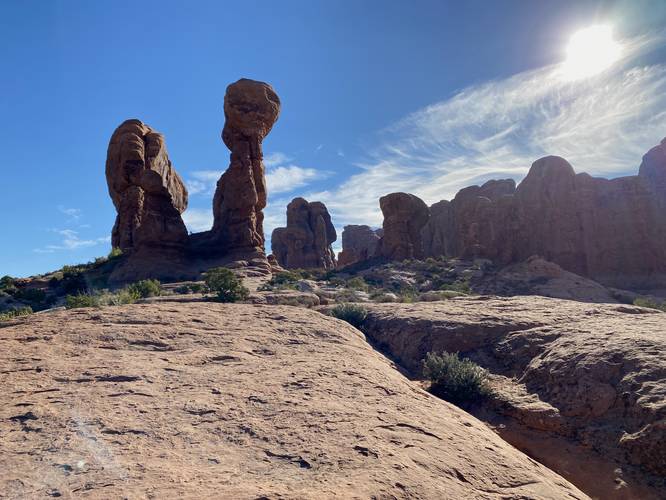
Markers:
point(306, 241)
point(250, 109)
point(358, 243)
point(613, 231)
point(404, 218)
point(149, 197)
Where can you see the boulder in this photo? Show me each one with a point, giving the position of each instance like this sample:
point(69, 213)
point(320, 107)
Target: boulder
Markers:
point(404, 218)
point(149, 197)
point(306, 241)
point(359, 243)
point(250, 110)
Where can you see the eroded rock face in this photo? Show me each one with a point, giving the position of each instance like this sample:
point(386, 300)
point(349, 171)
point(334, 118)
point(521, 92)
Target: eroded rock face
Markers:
point(594, 374)
point(404, 218)
point(145, 188)
point(297, 401)
point(250, 109)
point(359, 243)
point(149, 197)
point(306, 241)
point(613, 231)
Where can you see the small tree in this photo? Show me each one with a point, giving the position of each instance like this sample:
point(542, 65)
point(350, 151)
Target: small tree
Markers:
point(456, 380)
point(226, 284)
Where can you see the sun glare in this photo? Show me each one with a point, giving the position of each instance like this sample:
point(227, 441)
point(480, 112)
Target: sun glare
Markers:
point(590, 51)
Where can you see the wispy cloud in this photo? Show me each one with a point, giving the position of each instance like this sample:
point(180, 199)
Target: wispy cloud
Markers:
point(602, 125)
point(74, 214)
point(198, 219)
point(70, 240)
point(203, 182)
point(275, 159)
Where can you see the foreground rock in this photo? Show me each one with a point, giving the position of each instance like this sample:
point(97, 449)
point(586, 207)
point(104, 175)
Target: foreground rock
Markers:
point(359, 243)
point(592, 374)
point(306, 241)
point(149, 197)
point(612, 231)
point(208, 400)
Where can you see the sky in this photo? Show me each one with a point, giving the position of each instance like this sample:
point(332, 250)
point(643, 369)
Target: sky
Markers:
point(377, 96)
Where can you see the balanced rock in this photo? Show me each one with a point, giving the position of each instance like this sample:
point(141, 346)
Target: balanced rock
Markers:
point(404, 218)
point(306, 241)
point(359, 243)
point(149, 197)
point(250, 109)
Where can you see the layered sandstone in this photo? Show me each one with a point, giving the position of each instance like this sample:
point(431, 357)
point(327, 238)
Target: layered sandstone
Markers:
point(306, 240)
point(205, 400)
point(149, 197)
point(405, 215)
point(359, 242)
point(613, 231)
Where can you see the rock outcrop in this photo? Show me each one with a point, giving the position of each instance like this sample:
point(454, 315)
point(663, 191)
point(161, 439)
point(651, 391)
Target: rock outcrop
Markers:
point(306, 241)
point(149, 197)
point(250, 110)
point(404, 218)
point(204, 400)
point(359, 243)
point(613, 231)
point(591, 375)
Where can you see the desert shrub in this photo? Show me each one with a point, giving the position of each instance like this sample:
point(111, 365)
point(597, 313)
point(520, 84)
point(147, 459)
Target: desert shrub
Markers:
point(114, 253)
point(353, 314)
point(14, 313)
point(146, 288)
point(73, 281)
point(126, 295)
point(460, 286)
point(227, 286)
point(357, 283)
point(456, 380)
point(33, 295)
point(643, 302)
point(6, 282)
point(82, 300)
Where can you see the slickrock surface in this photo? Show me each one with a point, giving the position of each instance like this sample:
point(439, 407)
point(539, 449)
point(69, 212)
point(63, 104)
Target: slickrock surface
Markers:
point(612, 231)
point(404, 218)
point(592, 373)
point(359, 242)
point(202, 400)
point(149, 197)
point(306, 241)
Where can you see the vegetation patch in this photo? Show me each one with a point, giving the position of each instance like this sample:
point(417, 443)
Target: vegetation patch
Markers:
point(459, 381)
point(227, 286)
point(643, 302)
point(353, 314)
point(15, 313)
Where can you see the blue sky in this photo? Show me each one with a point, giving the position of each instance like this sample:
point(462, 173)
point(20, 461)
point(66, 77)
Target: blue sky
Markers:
point(377, 96)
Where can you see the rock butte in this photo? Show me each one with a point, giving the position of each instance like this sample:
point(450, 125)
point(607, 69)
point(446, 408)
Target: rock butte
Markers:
point(306, 241)
point(613, 231)
point(359, 242)
point(149, 196)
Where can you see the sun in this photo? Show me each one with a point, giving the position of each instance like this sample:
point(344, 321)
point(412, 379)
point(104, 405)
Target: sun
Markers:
point(590, 51)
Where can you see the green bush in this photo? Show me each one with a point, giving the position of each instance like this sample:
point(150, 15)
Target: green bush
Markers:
point(82, 300)
point(353, 314)
point(643, 302)
point(357, 283)
point(114, 253)
point(7, 282)
point(227, 286)
point(456, 380)
point(146, 288)
point(14, 313)
point(33, 295)
point(124, 296)
point(460, 286)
